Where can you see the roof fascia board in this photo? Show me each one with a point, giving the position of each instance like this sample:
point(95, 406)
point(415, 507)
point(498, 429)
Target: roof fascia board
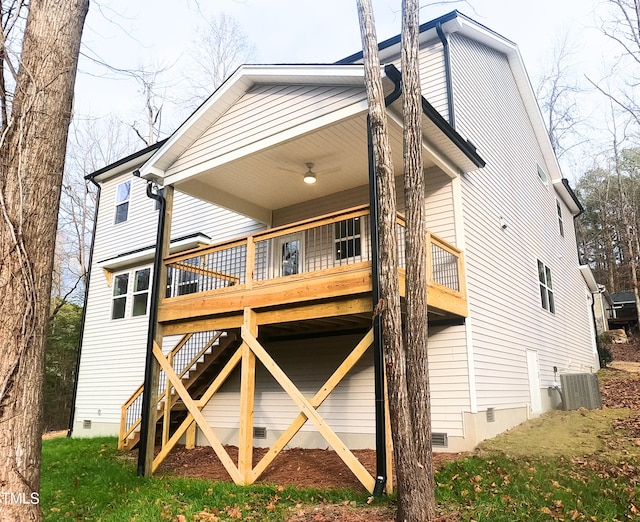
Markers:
point(567, 195)
point(145, 255)
point(243, 79)
point(589, 278)
point(127, 164)
point(443, 163)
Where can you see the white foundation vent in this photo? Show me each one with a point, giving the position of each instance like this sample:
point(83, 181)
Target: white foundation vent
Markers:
point(439, 440)
point(86, 424)
point(259, 432)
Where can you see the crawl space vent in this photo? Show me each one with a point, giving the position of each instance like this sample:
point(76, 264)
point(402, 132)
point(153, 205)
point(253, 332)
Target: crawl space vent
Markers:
point(580, 390)
point(439, 440)
point(259, 432)
point(491, 415)
point(86, 424)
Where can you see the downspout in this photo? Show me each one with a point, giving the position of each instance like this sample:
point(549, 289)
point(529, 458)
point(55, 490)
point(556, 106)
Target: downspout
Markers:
point(447, 73)
point(378, 353)
point(146, 425)
point(72, 412)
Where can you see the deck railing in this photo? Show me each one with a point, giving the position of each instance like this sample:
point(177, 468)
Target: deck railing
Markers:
point(183, 357)
point(315, 245)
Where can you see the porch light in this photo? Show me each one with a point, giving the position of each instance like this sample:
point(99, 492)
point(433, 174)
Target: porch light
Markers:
point(309, 176)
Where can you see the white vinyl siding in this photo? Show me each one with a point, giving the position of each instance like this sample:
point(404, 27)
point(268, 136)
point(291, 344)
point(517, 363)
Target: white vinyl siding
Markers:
point(265, 111)
point(432, 75)
point(349, 408)
point(503, 293)
point(113, 359)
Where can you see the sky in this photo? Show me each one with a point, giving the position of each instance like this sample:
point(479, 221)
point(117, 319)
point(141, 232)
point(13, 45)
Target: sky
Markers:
point(129, 34)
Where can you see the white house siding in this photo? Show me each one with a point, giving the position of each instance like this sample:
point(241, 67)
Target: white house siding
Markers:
point(504, 301)
point(113, 351)
point(309, 363)
point(350, 408)
point(264, 111)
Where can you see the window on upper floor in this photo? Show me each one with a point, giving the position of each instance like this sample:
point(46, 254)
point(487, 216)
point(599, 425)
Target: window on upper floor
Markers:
point(138, 293)
point(123, 194)
point(542, 175)
point(546, 288)
point(560, 224)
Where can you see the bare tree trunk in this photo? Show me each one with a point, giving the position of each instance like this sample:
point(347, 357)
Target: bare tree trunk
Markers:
point(418, 501)
point(32, 152)
point(409, 450)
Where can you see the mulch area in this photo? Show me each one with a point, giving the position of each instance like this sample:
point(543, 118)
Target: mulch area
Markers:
point(314, 468)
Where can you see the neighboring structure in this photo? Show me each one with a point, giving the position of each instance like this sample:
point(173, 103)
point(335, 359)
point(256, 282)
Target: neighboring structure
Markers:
point(275, 301)
point(625, 312)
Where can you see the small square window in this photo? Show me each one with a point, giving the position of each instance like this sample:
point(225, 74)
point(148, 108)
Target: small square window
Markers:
point(123, 196)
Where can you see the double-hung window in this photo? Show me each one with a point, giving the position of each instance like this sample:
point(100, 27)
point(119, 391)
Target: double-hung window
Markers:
point(123, 195)
point(138, 292)
point(546, 288)
point(141, 291)
point(120, 290)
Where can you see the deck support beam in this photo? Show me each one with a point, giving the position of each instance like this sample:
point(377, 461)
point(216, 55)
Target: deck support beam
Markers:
point(247, 398)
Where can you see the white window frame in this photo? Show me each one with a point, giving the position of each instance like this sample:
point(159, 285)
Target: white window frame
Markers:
point(131, 292)
point(545, 285)
point(542, 175)
point(138, 292)
point(560, 221)
point(119, 296)
point(120, 202)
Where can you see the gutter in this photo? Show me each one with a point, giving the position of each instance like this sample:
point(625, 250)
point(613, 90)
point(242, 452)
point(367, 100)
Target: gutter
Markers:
point(378, 354)
point(447, 72)
point(72, 412)
point(146, 424)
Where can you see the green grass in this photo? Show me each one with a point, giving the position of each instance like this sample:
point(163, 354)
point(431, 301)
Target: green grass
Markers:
point(562, 466)
point(88, 479)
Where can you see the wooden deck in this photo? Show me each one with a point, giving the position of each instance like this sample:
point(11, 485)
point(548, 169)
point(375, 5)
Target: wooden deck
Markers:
point(309, 270)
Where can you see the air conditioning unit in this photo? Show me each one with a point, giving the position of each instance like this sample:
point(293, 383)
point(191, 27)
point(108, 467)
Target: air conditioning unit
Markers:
point(580, 390)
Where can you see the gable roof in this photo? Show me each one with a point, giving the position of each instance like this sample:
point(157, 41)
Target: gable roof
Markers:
point(264, 120)
point(457, 22)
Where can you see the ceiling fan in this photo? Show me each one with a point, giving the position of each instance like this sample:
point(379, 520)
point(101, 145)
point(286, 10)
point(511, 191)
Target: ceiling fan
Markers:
point(310, 175)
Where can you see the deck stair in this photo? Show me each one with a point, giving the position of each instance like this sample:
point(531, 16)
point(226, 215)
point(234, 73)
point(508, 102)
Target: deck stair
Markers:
point(196, 357)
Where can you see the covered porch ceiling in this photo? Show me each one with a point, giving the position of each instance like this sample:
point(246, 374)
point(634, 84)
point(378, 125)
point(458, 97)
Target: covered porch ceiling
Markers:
point(267, 174)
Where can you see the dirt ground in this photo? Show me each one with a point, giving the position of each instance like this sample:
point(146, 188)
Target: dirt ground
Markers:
point(317, 468)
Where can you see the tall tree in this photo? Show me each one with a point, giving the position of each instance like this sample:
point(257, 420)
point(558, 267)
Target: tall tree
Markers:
point(620, 22)
point(557, 91)
point(407, 387)
point(32, 152)
point(219, 48)
point(418, 501)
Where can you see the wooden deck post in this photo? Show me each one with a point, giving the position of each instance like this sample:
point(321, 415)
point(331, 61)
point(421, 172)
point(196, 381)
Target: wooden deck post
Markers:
point(148, 433)
point(247, 393)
